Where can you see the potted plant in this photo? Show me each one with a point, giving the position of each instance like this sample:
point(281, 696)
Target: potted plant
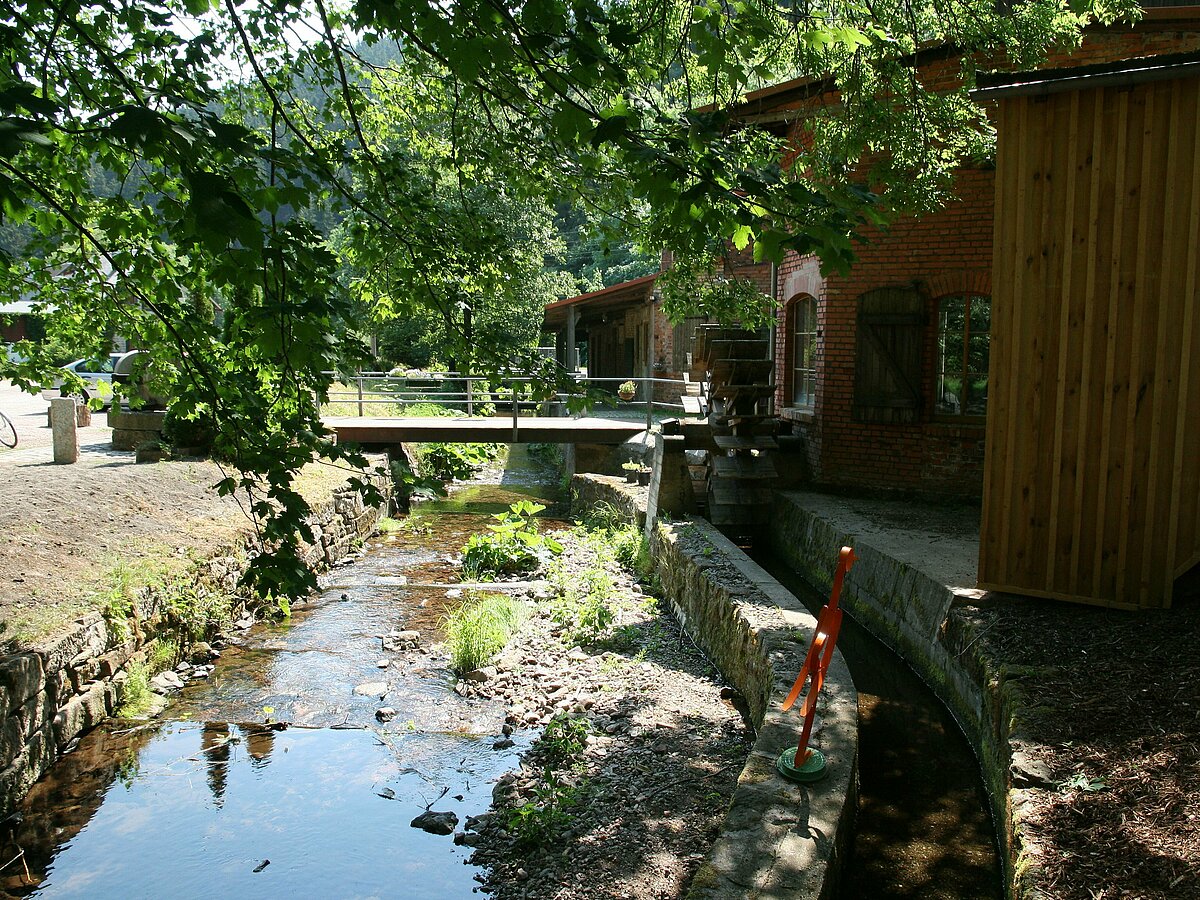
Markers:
point(626, 390)
point(643, 475)
point(631, 471)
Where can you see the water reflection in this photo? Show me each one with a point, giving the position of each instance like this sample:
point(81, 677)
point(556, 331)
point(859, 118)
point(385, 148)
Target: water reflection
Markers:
point(216, 801)
point(193, 809)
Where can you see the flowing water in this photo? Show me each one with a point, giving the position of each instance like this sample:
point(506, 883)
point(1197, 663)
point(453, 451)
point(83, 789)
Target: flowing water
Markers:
point(212, 799)
point(924, 830)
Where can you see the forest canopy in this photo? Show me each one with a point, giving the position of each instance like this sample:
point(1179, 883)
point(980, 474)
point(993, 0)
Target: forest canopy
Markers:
point(240, 187)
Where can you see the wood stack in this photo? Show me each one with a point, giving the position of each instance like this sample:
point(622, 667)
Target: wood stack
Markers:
point(737, 367)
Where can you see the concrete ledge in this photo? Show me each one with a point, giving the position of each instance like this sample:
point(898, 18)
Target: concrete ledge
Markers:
point(779, 839)
point(910, 588)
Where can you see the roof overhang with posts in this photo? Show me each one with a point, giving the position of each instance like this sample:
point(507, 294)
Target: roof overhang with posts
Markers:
point(593, 307)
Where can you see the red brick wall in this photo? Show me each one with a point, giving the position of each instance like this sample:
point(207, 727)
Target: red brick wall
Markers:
point(943, 253)
point(946, 252)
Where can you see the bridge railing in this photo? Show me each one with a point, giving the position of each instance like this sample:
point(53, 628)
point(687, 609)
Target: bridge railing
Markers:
point(450, 393)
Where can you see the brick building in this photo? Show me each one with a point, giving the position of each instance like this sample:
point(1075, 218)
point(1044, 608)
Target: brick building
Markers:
point(622, 332)
point(883, 372)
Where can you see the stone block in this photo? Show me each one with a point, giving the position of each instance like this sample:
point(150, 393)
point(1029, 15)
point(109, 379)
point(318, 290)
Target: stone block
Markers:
point(12, 740)
point(112, 662)
point(21, 676)
point(81, 713)
point(85, 670)
point(89, 636)
point(65, 431)
point(15, 781)
point(34, 714)
point(136, 420)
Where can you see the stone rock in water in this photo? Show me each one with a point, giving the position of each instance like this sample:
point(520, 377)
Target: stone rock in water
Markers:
point(436, 822)
point(165, 682)
point(481, 675)
point(385, 714)
point(383, 663)
point(402, 640)
point(371, 689)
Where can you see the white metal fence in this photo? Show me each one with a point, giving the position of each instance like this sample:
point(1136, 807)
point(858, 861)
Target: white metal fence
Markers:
point(382, 394)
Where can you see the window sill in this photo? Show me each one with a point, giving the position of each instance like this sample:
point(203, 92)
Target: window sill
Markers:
point(802, 414)
point(973, 427)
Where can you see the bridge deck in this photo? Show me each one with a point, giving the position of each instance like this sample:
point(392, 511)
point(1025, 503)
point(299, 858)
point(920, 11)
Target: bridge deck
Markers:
point(390, 431)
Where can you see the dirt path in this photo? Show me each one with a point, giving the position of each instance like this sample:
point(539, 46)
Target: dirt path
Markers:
point(73, 532)
point(1108, 745)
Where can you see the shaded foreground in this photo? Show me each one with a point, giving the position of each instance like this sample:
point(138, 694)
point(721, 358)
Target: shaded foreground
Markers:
point(923, 830)
point(1108, 738)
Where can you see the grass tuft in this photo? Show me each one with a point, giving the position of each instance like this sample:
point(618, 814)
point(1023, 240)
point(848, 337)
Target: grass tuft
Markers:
point(479, 628)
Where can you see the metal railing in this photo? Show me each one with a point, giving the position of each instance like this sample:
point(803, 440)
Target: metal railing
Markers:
point(384, 394)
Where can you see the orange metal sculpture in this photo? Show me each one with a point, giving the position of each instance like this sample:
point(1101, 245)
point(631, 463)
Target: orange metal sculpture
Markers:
point(801, 763)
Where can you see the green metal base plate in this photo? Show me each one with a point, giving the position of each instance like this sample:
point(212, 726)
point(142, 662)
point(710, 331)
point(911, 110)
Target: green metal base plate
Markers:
point(812, 769)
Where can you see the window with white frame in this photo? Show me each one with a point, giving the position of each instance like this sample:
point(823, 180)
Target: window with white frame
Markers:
point(804, 351)
point(964, 340)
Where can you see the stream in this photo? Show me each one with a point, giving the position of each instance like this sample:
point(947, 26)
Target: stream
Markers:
point(924, 829)
point(213, 799)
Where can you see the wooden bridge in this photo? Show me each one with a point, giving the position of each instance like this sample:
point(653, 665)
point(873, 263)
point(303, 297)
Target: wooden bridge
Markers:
point(387, 432)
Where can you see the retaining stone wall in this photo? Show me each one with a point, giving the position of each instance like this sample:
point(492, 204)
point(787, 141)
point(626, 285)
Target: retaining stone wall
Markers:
point(589, 490)
point(53, 693)
point(779, 839)
point(916, 617)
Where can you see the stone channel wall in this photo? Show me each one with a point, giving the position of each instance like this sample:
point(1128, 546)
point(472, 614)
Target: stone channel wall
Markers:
point(53, 693)
point(779, 839)
point(917, 617)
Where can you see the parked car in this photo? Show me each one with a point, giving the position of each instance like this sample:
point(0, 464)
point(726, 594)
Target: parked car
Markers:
point(93, 373)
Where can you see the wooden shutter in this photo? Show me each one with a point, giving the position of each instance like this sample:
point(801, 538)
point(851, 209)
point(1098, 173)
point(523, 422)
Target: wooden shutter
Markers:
point(887, 377)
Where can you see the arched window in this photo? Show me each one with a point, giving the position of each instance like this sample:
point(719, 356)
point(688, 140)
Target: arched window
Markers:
point(803, 331)
point(964, 338)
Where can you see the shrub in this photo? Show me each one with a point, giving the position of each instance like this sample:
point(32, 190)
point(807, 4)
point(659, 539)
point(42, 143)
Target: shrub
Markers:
point(582, 605)
point(512, 546)
point(195, 430)
point(559, 748)
point(447, 461)
point(479, 628)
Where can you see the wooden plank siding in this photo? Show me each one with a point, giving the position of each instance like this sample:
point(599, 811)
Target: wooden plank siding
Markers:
point(1092, 468)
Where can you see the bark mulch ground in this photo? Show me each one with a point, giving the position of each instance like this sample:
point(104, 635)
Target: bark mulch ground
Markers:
point(1109, 736)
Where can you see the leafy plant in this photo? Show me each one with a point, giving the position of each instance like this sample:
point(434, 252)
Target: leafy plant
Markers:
point(581, 604)
point(135, 693)
point(559, 749)
point(195, 611)
point(513, 545)
point(479, 628)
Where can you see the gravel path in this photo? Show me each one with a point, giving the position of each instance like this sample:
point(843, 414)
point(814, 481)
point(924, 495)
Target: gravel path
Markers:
point(70, 530)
